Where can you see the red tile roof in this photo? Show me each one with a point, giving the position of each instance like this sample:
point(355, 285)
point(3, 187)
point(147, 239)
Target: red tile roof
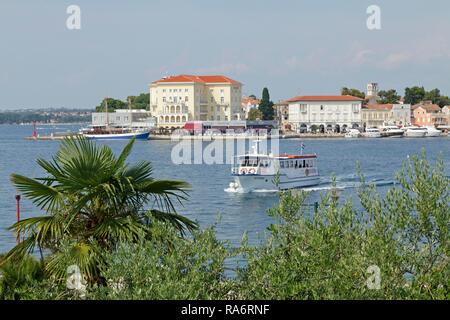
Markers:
point(201, 79)
point(324, 98)
point(428, 107)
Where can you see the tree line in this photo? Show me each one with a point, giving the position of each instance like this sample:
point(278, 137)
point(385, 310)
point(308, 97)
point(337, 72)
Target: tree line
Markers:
point(412, 95)
point(141, 101)
point(18, 117)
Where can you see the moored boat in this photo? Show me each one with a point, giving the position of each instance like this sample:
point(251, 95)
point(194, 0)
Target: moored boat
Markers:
point(371, 133)
point(352, 133)
point(256, 172)
point(415, 132)
point(391, 132)
point(107, 132)
point(433, 132)
point(112, 133)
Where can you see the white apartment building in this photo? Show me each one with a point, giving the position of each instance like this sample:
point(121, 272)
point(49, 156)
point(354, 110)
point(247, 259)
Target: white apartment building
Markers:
point(327, 113)
point(175, 100)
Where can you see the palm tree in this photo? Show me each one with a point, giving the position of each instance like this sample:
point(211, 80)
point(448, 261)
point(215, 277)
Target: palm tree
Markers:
point(93, 200)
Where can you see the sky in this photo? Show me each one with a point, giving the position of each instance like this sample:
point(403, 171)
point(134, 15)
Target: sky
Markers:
point(293, 47)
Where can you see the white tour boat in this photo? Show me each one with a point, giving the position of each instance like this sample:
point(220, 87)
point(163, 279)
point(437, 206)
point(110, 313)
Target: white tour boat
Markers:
point(352, 133)
point(392, 132)
point(433, 132)
point(255, 172)
point(371, 133)
point(415, 132)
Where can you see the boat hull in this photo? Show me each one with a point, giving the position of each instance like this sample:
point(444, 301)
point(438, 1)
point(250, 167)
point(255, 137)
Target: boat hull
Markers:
point(418, 134)
point(118, 136)
point(266, 183)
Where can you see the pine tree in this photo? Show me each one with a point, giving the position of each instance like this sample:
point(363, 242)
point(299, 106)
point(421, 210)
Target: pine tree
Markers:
point(266, 106)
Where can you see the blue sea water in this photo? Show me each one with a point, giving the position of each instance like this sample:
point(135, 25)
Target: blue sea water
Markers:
point(380, 159)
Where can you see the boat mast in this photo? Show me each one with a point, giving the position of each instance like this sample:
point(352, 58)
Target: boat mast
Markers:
point(106, 111)
point(129, 109)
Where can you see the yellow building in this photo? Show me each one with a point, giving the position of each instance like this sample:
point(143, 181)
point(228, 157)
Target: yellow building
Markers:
point(175, 100)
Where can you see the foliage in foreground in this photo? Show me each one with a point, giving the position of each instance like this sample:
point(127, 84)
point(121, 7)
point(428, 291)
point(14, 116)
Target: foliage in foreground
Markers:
point(93, 200)
point(333, 253)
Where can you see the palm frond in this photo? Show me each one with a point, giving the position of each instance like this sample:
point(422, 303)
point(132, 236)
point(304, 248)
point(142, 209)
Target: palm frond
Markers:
point(181, 223)
point(46, 197)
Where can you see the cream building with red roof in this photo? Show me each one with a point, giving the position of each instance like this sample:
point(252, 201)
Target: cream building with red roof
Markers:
point(175, 100)
point(327, 113)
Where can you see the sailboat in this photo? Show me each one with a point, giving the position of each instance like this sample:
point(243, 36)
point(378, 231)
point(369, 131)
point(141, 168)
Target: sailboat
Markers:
point(108, 132)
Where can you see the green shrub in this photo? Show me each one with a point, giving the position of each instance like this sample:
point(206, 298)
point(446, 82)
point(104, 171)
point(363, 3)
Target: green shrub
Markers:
point(166, 267)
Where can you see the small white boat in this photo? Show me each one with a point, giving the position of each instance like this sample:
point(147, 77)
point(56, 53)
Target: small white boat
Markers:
point(391, 132)
point(415, 132)
point(255, 172)
point(371, 133)
point(433, 132)
point(352, 133)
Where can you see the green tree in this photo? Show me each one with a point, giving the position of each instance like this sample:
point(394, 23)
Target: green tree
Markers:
point(435, 97)
point(266, 106)
point(93, 200)
point(388, 97)
point(414, 95)
point(352, 92)
point(142, 101)
point(255, 114)
point(113, 104)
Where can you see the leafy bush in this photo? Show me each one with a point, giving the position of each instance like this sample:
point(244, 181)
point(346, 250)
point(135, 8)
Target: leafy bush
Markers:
point(166, 267)
point(334, 254)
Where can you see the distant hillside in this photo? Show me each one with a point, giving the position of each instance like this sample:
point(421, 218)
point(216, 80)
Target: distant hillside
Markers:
point(45, 116)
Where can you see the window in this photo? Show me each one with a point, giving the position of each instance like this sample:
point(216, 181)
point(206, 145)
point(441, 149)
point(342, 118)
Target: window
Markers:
point(303, 108)
point(212, 99)
point(321, 107)
point(222, 99)
point(186, 90)
point(164, 99)
point(226, 118)
point(218, 109)
point(164, 90)
point(221, 90)
point(186, 99)
point(282, 164)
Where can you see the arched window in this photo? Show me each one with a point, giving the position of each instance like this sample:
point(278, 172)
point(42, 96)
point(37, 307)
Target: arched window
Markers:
point(178, 109)
point(172, 119)
point(183, 119)
point(178, 118)
point(172, 109)
point(167, 119)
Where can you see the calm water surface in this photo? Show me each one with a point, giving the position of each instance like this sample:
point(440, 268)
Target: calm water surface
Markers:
point(380, 160)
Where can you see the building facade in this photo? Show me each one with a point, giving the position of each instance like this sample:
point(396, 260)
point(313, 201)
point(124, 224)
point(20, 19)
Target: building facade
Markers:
point(124, 118)
point(176, 100)
point(428, 114)
point(401, 114)
point(249, 103)
point(446, 113)
point(282, 115)
point(377, 115)
point(327, 113)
